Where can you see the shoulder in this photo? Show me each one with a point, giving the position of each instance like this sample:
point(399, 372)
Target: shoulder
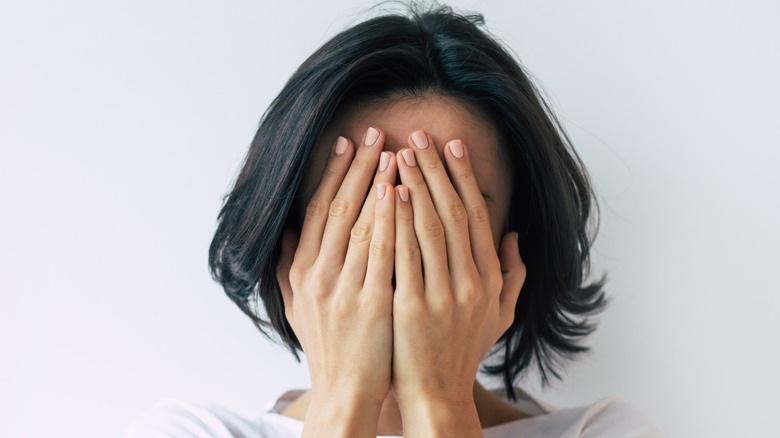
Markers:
point(606, 418)
point(611, 417)
point(176, 418)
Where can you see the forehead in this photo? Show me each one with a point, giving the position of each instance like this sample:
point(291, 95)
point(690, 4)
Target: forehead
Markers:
point(444, 118)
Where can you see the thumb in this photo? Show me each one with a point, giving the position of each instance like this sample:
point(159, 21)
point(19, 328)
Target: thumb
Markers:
point(513, 272)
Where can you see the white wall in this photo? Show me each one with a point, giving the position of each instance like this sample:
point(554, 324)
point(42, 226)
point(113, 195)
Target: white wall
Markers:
point(123, 123)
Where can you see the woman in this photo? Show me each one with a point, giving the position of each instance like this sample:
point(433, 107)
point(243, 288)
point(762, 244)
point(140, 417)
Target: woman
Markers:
point(409, 206)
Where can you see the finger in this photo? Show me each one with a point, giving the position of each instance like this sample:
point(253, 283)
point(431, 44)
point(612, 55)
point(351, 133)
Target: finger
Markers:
point(408, 266)
point(356, 260)
point(379, 273)
point(427, 225)
point(462, 174)
point(289, 243)
point(317, 210)
point(346, 205)
point(447, 203)
point(513, 273)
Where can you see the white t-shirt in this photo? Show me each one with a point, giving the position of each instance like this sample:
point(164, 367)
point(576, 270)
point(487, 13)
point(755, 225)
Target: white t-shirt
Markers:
point(606, 418)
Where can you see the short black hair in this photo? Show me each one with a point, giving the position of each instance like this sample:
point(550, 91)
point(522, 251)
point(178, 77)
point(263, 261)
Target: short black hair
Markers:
point(428, 49)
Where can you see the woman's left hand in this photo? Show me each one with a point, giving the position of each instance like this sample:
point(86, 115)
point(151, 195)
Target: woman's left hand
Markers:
point(455, 296)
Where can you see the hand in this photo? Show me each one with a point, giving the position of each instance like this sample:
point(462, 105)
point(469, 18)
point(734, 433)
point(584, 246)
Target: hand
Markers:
point(454, 297)
point(336, 281)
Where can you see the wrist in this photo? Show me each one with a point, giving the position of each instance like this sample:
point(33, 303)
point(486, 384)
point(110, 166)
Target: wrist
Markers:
point(341, 414)
point(442, 394)
point(439, 415)
point(346, 399)
point(350, 394)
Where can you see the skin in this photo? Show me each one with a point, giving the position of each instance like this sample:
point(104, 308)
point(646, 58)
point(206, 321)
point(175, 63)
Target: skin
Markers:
point(397, 296)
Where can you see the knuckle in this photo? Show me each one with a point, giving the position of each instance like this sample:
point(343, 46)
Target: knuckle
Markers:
point(479, 214)
point(295, 274)
point(456, 212)
point(319, 285)
point(339, 308)
point(517, 275)
point(471, 293)
point(433, 165)
point(433, 229)
point(522, 272)
point(318, 288)
point(338, 207)
point(360, 233)
point(382, 214)
point(465, 174)
point(406, 215)
point(445, 305)
point(316, 208)
point(360, 163)
point(408, 253)
point(495, 283)
point(412, 308)
point(378, 249)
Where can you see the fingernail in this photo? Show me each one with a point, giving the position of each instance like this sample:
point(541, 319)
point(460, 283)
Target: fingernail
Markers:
point(420, 139)
point(456, 147)
point(517, 236)
point(409, 157)
point(371, 136)
point(341, 145)
point(380, 190)
point(384, 161)
point(403, 193)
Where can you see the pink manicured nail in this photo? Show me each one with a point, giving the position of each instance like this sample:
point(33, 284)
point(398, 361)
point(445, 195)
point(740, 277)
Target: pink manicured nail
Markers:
point(380, 191)
point(403, 193)
point(456, 147)
point(420, 139)
point(371, 136)
point(384, 161)
point(341, 145)
point(409, 157)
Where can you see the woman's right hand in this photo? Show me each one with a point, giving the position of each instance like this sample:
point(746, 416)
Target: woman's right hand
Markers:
point(336, 278)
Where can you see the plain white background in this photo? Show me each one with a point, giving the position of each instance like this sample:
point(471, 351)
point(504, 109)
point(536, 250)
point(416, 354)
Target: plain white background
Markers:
point(123, 123)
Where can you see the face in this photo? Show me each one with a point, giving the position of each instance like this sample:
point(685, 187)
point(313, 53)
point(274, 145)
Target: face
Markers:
point(444, 119)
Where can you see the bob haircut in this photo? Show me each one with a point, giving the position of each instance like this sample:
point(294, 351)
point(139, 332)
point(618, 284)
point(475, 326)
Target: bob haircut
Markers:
point(427, 51)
